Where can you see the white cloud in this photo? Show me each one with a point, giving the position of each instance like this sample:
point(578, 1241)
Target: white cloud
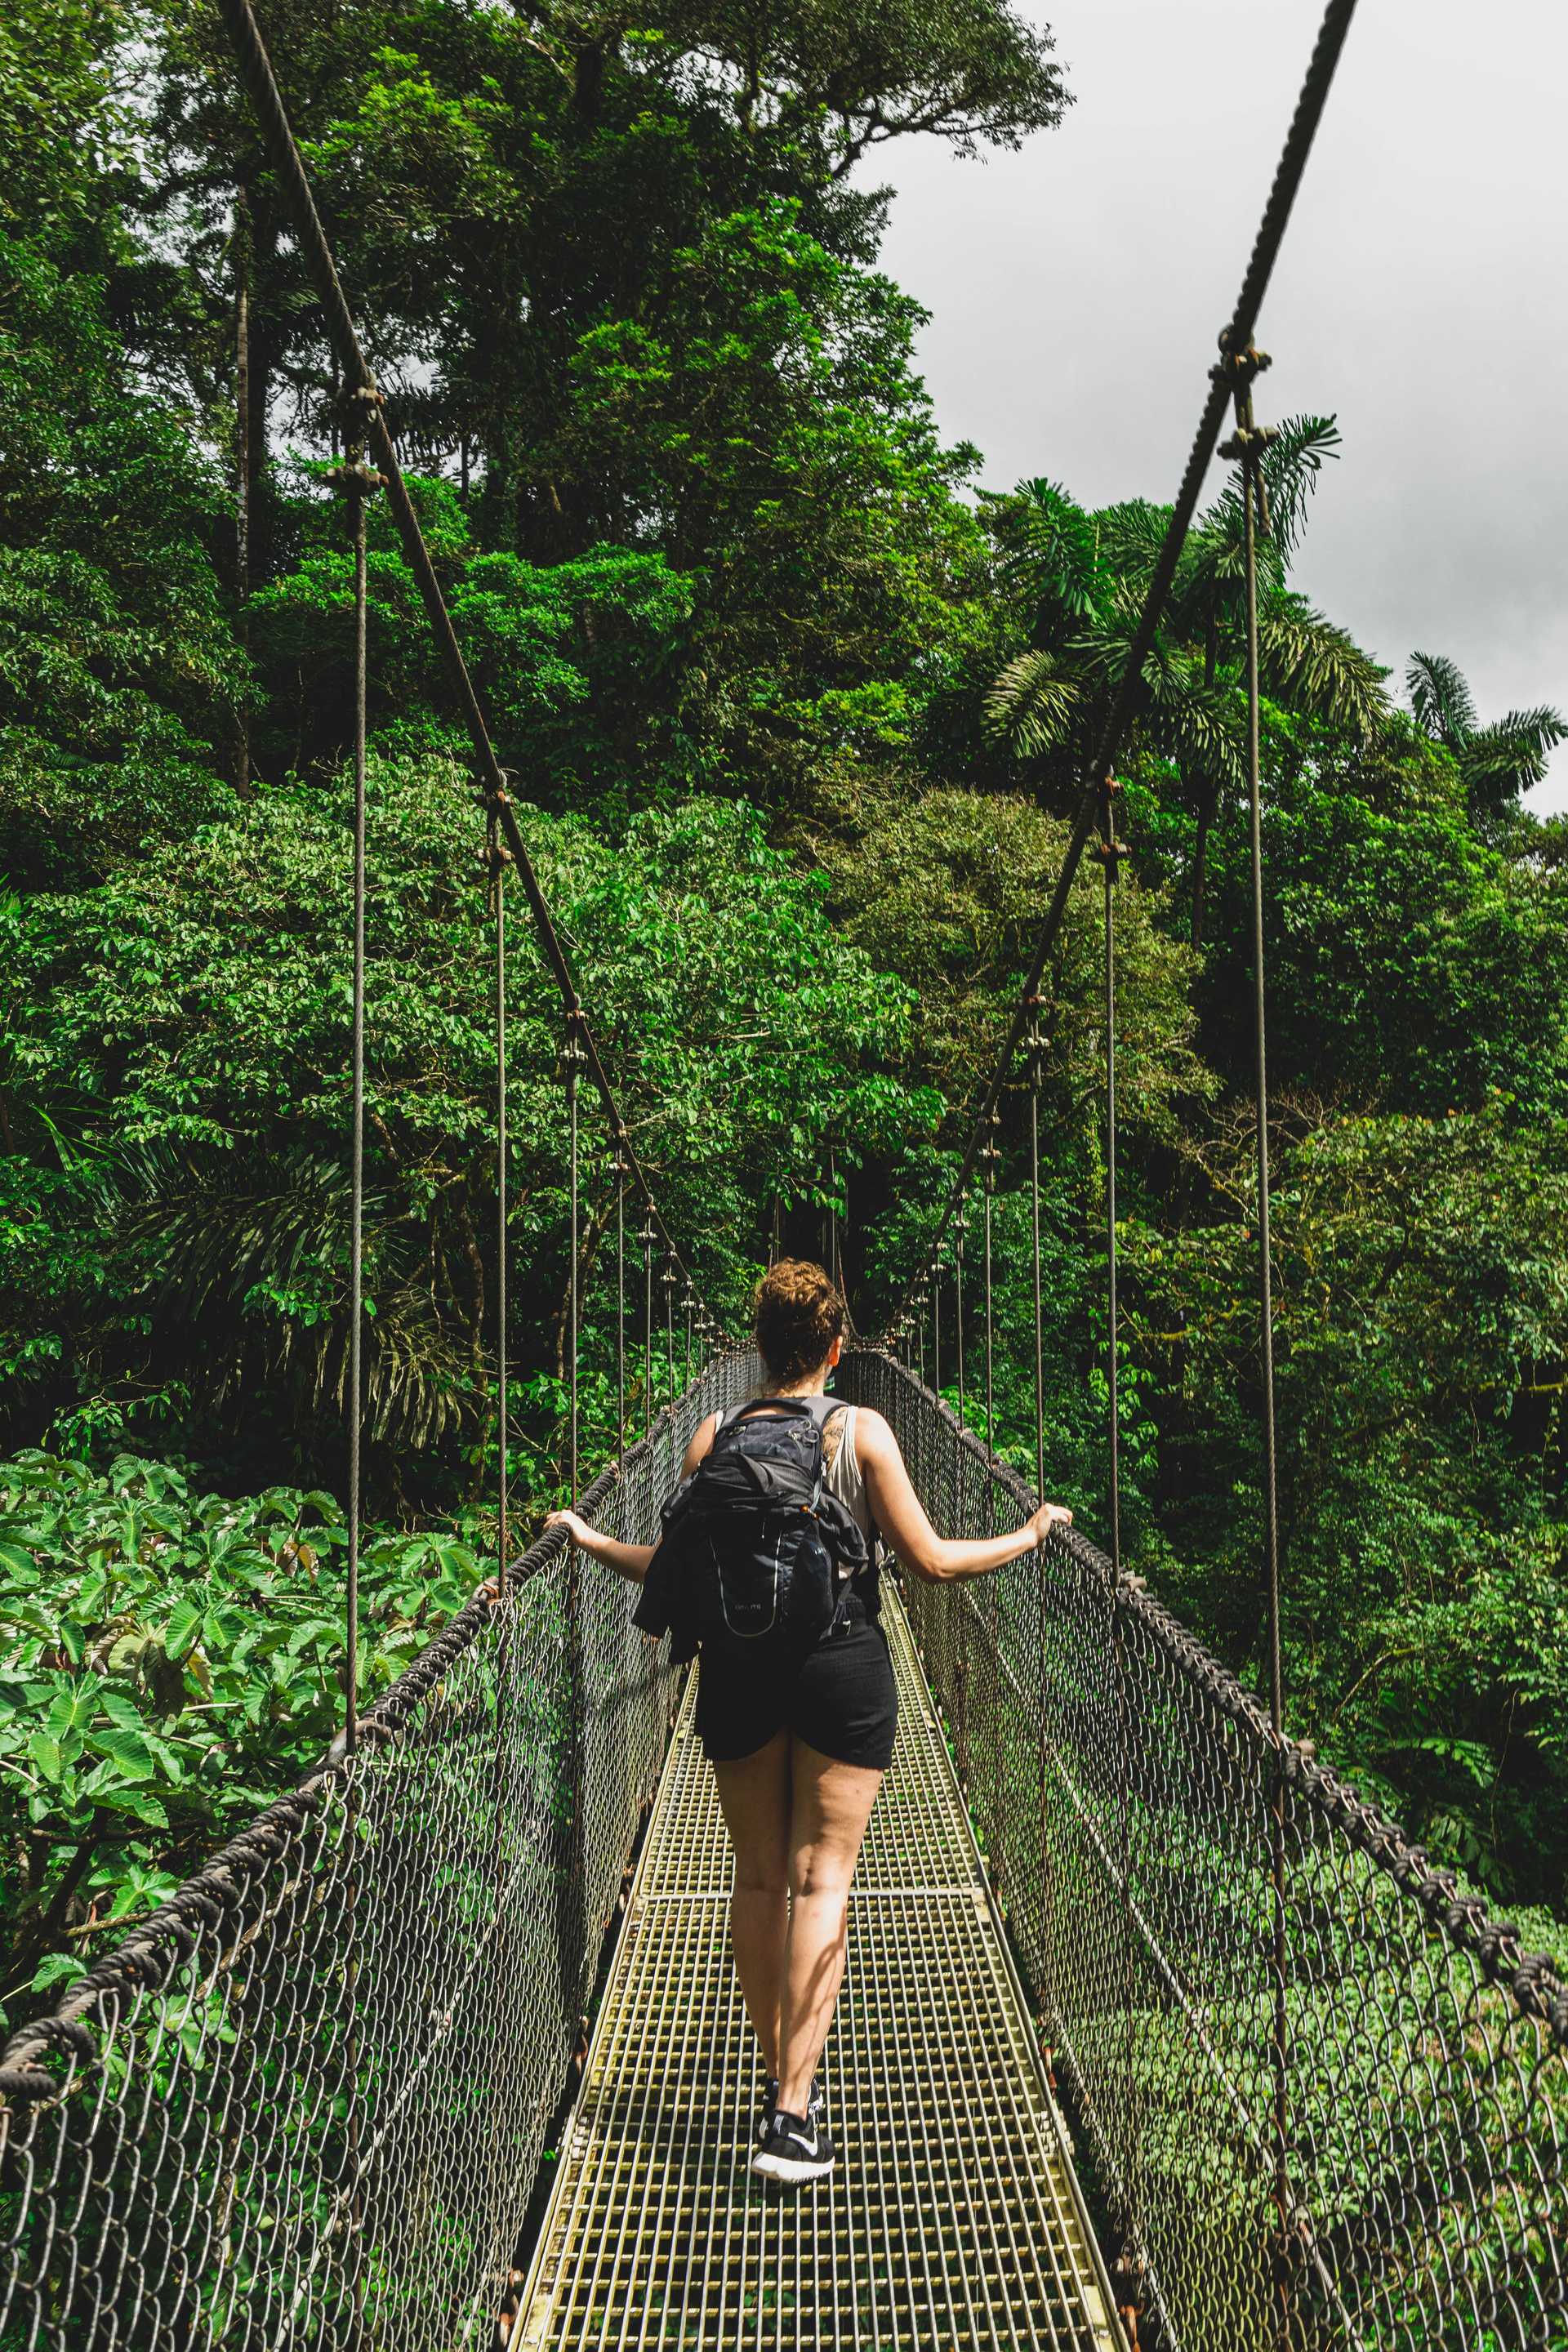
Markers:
point(1076, 290)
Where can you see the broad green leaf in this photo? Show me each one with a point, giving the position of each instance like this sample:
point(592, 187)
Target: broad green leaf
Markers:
point(184, 1622)
point(127, 1749)
point(139, 1803)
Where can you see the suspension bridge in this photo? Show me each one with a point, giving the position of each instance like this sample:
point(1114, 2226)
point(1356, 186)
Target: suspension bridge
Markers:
point(1154, 2032)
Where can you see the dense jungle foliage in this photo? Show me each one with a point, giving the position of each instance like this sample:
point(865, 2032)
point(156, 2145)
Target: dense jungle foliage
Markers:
point(796, 709)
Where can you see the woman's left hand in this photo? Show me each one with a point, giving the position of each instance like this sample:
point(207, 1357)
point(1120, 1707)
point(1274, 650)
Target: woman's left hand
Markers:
point(578, 1529)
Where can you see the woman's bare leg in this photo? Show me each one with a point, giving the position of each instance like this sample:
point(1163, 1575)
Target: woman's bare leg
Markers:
point(754, 1792)
point(832, 1804)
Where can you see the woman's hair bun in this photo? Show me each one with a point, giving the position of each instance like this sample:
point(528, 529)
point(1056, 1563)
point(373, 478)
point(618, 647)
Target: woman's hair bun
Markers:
point(799, 1314)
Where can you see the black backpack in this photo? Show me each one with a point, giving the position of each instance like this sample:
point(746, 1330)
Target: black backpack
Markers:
point(754, 1549)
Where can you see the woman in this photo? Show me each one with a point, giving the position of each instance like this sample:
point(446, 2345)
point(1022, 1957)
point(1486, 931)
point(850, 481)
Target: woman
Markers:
point(799, 1746)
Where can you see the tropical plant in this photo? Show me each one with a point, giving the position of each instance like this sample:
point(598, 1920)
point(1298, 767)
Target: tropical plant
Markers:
point(1082, 581)
point(1497, 762)
point(169, 1660)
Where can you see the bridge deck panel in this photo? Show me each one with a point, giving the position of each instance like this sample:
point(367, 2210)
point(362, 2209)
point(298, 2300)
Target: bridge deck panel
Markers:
point(952, 2219)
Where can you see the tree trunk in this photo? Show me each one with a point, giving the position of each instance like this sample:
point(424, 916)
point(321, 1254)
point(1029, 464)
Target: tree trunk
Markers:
point(40, 1924)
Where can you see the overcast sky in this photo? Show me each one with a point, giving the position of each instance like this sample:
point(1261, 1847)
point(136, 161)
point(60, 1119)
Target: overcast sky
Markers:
point(1076, 290)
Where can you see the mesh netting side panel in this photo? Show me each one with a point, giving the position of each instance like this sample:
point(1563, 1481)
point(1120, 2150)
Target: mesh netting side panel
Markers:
point(1391, 2170)
point(306, 2105)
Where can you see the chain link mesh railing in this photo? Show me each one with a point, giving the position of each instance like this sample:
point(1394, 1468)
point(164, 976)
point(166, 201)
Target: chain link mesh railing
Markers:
point(306, 2103)
point(1390, 2168)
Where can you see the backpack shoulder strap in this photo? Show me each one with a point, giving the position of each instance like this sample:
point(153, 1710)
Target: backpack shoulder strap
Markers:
point(819, 1408)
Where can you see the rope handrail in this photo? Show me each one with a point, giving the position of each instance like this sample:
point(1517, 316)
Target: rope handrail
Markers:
point(145, 1955)
point(306, 2100)
point(1426, 2053)
point(1535, 1979)
point(1235, 343)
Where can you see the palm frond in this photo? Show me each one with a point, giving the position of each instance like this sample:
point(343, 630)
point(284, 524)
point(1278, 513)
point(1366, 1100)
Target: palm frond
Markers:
point(1314, 666)
point(1512, 755)
point(1212, 569)
point(1030, 705)
point(1292, 463)
point(1205, 730)
point(1542, 729)
point(217, 1243)
point(1442, 702)
point(1049, 553)
point(415, 1370)
point(1130, 536)
point(1291, 466)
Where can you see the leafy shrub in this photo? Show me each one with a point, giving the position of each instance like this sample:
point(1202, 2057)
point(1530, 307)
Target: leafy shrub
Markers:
point(169, 1660)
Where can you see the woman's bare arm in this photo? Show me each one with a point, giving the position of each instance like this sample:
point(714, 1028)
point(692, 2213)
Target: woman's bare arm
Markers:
point(897, 1509)
point(629, 1560)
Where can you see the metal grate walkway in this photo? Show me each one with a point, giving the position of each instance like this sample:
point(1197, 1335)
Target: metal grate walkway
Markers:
point(952, 2220)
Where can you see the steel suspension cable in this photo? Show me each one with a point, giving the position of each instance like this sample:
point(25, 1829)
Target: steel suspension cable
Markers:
point(294, 188)
point(960, 1229)
point(620, 1172)
point(573, 1059)
point(989, 1158)
point(1037, 1052)
point(1236, 339)
point(1247, 447)
point(499, 861)
point(355, 479)
point(572, 1892)
point(648, 1241)
point(1251, 488)
point(833, 1267)
point(1110, 853)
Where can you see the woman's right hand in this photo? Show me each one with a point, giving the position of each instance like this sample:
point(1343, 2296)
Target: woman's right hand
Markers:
point(1049, 1515)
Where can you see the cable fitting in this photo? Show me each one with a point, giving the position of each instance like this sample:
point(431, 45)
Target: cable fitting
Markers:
point(1248, 441)
point(573, 1053)
point(1035, 1042)
point(1238, 367)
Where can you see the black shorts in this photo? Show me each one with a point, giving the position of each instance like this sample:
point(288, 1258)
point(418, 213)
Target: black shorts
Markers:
point(838, 1696)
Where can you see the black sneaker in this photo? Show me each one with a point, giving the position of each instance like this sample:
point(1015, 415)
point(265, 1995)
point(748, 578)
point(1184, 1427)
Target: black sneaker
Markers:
point(770, 2105)
point(796, 2148)
point(816, 2106)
